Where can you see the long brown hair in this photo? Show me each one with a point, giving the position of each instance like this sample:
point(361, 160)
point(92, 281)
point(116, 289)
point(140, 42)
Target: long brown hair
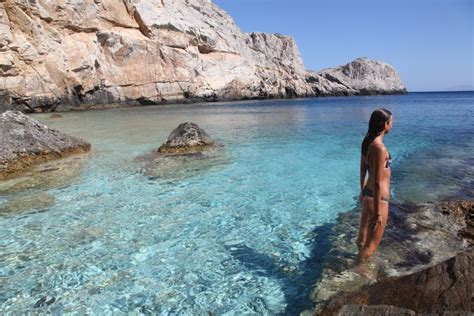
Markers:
point(376, 126)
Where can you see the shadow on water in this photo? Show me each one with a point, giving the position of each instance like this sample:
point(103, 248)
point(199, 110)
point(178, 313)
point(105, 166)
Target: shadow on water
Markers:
point(296, 284)
point(404, 248)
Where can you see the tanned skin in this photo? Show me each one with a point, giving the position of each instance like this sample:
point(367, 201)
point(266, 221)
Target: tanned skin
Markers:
point(374, 210)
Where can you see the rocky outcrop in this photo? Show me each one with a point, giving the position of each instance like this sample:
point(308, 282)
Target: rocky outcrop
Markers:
point(186, 138)
point(462, 212)
point(430, 279)
point(25, 142)
point(93, 53)
point(359, 77)
point(447, 286)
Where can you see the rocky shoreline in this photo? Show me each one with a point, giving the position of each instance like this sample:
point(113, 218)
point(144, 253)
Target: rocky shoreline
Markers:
point(108, 53)
point(441, 286)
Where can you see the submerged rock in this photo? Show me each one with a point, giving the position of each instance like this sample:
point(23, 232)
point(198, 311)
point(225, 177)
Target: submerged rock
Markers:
point(447, 286)
point(186, 138)
point(55, 116)
point(26, 142)
point(188, 151)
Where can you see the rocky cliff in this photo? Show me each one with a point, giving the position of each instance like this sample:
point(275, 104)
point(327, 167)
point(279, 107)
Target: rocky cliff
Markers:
point(57, 55)
point(359, 77)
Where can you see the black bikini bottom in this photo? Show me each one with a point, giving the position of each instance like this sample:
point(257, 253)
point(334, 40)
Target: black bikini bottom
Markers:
point(369, 193)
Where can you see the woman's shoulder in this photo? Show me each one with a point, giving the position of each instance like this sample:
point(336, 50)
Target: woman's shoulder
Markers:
point(377, 149)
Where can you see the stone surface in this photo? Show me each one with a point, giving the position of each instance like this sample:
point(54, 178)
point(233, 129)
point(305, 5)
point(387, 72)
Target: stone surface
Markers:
point(447, 286)
point(25, 142)
point(376, 310)
point(463, 213)
point(418, 236)
point(186, 138)
point(359, 77)
point(87, 54)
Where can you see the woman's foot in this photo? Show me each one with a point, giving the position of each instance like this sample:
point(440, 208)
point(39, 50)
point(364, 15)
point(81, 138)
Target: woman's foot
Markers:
point(366, 269)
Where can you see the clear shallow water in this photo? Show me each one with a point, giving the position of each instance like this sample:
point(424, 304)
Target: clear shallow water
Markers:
point(231, 235)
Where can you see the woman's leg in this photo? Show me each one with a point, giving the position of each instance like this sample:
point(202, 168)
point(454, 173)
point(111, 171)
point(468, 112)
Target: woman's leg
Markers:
point(373, 238)
point(364, 226)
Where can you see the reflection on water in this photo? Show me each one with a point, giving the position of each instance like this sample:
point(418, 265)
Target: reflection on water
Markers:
point(247, 229)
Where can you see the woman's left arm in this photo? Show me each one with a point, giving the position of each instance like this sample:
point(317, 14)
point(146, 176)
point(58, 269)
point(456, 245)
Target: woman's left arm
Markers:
point(363, 174)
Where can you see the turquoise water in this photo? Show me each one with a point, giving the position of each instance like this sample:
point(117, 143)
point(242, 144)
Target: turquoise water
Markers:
point(231, 234)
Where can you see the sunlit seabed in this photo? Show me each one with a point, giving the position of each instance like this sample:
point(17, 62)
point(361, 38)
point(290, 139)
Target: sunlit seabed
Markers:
point(223, 235)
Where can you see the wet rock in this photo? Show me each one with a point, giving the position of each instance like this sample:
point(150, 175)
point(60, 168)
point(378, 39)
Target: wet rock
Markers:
point(26, 203)
point(376, 310)
point(447, 286)
point(55, 116)
point(463, 213)
point(186, 138)
point(188, 151)
point(417, 236)
point(51, 174)
point(26, 142)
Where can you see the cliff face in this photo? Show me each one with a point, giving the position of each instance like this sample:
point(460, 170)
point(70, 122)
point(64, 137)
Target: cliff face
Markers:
point(57, 55)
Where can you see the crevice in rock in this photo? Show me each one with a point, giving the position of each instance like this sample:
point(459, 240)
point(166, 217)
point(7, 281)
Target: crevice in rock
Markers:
point(78, 29)
point(175, 46)
point(141, 24)
point(117, 24)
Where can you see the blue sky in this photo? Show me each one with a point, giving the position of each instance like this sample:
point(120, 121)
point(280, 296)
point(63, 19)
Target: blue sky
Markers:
point(429, 42)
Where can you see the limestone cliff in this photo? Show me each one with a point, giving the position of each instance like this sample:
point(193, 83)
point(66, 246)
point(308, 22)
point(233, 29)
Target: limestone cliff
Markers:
point(57, 55)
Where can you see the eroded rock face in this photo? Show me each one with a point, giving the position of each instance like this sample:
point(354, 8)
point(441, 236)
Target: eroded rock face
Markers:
point(186, 138)
point(24, 142)
point(87, 53)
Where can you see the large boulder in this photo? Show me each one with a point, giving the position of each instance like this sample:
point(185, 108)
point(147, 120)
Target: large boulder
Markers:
point(25, 142)
point(186, 138)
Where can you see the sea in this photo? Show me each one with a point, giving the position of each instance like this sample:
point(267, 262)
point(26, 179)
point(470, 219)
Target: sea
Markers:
point(228, 232)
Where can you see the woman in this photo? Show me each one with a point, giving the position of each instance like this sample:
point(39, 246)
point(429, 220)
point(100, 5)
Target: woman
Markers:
point(375, 193)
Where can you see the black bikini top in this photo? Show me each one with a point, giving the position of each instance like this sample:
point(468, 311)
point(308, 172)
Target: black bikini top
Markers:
point(389, 162)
